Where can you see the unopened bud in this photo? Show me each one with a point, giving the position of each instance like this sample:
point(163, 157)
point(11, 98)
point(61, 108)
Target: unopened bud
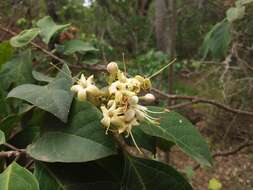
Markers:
point(112, 68)
point(133, 100)
point(149, 97)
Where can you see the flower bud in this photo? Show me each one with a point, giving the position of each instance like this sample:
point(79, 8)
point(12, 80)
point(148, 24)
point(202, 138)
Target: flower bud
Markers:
point(149, 97)
point(133, 100)
point(81, 95)
point(112, 68)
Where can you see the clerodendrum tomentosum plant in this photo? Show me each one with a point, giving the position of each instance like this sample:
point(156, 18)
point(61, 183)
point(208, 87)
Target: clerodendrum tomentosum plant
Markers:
point(64, 136)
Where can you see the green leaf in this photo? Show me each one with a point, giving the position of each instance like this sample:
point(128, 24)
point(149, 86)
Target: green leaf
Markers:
point(55, 97)
point(217, 40)
point(175, 128)
point(46, 178)
point(73, 46)
point(55, 177)
point(5, 52)
point(2, 137)
point(149, 175)
point(49, 28)
point(41, 77)
point(83, 138)
point(17, 71)
point(16, 177)
point(235, 13)
point(8, 123)
point(143, 140)
point(24, 37)
point(4, 107)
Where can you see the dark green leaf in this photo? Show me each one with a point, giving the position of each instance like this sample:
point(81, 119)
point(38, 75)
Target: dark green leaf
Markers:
point(8, 123)
point(149, 175)
point(24, 37)
point(175, 128)
point(5, 52)
point(88, 176)
point(83, 138)
point(55, 97)
point(49, 28)
point(73, 46)
point(41, 77)
point(17, 71)
point(46, 178)
point(16, 177)
point(143, 140)
point(4, 107)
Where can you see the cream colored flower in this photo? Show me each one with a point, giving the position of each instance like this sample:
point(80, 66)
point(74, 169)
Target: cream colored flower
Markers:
point(111, 116)
point(84, 86)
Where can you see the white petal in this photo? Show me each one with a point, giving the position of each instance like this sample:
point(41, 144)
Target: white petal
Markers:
point(81, 95)
point(76, 88)
point(105, 122)
point(90, 80)
point(83, 81)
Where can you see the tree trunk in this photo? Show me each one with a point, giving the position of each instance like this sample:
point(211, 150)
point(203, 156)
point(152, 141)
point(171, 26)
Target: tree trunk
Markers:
point(166, 27)
point(161, 25)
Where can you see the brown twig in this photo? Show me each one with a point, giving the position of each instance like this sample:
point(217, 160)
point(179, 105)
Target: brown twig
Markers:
point(192, 99)
point(195, 100)
point(229, 153)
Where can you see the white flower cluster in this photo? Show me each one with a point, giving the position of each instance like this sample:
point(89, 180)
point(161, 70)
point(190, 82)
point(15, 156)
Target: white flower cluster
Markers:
point(119, 101)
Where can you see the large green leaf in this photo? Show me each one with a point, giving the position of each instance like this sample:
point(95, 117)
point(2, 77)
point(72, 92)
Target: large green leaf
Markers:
point(16, 177)
point(78, 177)
point(81, 140)
point(175, 128)
point(46, 178)
point(217, 40)
point(55, 97)
point(49, 28)
point(41, 77)
point(2, 137)
point(149, 175)
point(5, 52)
point(17, 71)
point(73, 46)
point(24, 37)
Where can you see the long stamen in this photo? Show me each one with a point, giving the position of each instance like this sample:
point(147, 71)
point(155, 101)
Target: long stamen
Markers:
point(160, 70)
point(135, 144)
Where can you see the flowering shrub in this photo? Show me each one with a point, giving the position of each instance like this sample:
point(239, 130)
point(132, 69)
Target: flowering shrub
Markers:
point(61, 138)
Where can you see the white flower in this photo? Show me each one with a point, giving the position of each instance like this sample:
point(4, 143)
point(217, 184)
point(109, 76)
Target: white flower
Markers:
point(84, 86)
point(111, 116)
